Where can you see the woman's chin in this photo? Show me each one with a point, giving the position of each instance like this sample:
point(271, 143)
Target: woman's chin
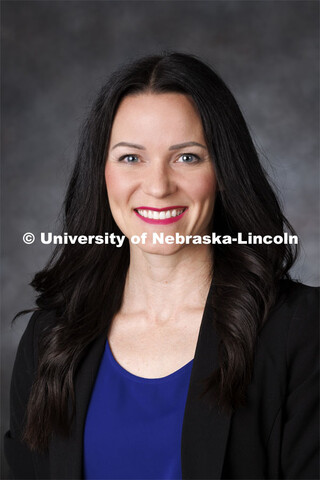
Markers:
point(160, 249)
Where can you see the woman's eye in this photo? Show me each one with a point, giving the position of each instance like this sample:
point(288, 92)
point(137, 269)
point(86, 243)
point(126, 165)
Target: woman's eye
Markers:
point(188, 158)
point(129, 159)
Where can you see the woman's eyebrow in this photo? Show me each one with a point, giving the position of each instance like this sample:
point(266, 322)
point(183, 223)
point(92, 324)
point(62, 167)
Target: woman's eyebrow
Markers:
point(131, 145)
point(173, 147)
point(186, 144)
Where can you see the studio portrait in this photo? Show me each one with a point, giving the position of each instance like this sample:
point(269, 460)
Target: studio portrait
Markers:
point(160, 245)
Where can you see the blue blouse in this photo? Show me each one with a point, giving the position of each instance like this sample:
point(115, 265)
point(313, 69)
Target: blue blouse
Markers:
point(133, 426)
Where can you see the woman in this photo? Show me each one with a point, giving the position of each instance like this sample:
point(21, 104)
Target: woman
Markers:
point(167, 360)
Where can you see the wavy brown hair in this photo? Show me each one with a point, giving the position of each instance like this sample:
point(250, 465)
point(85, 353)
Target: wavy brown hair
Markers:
point(79, 281)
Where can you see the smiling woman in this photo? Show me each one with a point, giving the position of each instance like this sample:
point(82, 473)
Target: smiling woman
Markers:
point(173, 360)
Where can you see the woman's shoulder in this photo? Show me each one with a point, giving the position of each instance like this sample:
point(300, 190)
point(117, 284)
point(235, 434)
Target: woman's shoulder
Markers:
point(292, 326)
point(295, 299)
point(293, 291)
point(39, 323)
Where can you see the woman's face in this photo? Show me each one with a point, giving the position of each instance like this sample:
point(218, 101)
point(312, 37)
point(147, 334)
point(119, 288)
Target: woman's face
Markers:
point(159, 175)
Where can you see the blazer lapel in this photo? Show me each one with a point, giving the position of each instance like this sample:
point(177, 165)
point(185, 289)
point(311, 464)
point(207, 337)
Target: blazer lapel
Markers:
point(205, 430)
point(66, 454)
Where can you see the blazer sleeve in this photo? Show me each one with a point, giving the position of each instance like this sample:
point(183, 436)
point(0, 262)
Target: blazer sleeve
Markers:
point(299, 455)
point(18, 456)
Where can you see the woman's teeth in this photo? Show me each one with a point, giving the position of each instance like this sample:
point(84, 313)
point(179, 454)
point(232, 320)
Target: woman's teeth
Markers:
point(154, 215)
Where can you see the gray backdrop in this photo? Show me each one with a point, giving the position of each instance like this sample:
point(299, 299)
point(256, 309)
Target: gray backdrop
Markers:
point(55, 56)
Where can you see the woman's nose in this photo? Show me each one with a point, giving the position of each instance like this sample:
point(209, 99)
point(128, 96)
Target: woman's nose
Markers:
point(159, 180)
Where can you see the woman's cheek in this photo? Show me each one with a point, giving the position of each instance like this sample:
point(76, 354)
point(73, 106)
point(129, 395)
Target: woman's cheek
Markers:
point(204, 187)
point(116, 184)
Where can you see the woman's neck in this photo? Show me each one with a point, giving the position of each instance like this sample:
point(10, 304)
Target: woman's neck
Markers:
point(164, 285)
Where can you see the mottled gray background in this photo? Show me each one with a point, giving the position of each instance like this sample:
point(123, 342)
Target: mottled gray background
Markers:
point(55, 56)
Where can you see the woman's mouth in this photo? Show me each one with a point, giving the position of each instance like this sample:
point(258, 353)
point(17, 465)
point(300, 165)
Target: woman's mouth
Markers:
point(160, 216)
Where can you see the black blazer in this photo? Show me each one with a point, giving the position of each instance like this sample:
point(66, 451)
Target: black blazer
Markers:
point(274, 436)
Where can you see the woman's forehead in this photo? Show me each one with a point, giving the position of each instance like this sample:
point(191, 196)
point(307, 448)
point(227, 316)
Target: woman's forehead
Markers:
point(150, 115)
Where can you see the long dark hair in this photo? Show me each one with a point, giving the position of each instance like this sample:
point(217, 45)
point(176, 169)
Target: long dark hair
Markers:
point(79, 281)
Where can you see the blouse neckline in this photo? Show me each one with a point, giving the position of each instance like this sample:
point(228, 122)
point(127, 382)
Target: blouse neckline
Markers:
point(172, 376)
